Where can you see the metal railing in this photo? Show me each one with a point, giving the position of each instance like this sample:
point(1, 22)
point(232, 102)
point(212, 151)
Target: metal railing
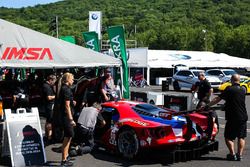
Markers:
point(105, 44)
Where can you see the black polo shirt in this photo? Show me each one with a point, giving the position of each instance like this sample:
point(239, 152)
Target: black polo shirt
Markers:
point(235, 105)
point(48, 91)
point(66, 95)
point(204, 88)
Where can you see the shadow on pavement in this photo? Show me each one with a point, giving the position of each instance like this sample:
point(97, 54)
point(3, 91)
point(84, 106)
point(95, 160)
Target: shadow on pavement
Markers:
point(5, 161)
point(142, 159)
point(57, 149)
point(53, 163)
point(213, 158)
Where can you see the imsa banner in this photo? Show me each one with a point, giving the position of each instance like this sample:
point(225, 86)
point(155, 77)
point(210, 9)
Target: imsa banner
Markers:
point(118, 45)
point(95, 22)
point(91, 40)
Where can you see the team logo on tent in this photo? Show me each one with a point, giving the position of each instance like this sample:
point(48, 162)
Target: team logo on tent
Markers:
point(180, 56)
point(26, 54)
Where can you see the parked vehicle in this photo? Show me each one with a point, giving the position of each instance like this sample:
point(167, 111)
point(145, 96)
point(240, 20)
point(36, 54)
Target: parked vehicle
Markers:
point(188, 78)
point(224, 74)
point(134, 126)
point(244, 83)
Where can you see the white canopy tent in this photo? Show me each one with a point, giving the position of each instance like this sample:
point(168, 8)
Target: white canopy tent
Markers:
point(21, 47)
point(170, 58)
point(142, 57)
point(137, 57)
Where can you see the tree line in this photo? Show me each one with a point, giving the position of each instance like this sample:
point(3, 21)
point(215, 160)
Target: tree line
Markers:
point(221, 26)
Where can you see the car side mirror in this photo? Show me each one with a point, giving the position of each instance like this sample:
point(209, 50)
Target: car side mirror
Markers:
point(191, 76)
point(221, 75)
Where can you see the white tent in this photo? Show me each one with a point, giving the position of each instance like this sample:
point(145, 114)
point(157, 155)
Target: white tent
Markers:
point(170, 58)
point(142, 57)
point(137, 57)
point(23, 48)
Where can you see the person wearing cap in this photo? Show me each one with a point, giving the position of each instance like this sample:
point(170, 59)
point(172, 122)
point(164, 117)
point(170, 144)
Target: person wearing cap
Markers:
point(48, 99)
point(236, 117)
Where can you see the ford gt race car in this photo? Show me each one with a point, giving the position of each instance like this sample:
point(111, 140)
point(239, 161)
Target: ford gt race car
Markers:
point(132, 127)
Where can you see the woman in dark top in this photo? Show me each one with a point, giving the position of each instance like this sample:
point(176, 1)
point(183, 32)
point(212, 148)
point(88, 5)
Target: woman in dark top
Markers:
point(67, 109)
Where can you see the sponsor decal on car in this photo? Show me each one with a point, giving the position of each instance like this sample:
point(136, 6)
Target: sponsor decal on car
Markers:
point(134, 121)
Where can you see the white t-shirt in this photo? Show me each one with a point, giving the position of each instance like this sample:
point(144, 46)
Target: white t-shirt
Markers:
point(88, 117)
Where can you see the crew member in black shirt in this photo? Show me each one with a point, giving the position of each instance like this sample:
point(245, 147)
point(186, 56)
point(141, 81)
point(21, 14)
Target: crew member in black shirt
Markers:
point(236, 117)
point(67, 108)
point(49, 98)
point(203, 88)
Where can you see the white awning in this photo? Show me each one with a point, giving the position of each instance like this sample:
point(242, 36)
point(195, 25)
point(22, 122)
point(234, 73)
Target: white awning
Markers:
point(24, 48)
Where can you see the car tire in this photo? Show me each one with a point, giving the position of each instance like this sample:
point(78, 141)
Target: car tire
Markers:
point(176, 86)
point(128, 143)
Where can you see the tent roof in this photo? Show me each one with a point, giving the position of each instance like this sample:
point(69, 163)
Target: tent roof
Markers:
point(23, 48)
point(170, 58)
point(137, 57)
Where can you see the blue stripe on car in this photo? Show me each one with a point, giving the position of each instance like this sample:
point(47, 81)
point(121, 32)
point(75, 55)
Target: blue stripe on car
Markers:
point(174, 123)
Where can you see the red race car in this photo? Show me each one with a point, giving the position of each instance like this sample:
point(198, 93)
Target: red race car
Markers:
point(132, 127)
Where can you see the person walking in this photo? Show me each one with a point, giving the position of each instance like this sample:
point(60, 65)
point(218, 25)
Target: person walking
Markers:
point(236, 117)
point(203, 88)
point(204, 91)
point(67, 109)
point(89, 117)
point(49, 98)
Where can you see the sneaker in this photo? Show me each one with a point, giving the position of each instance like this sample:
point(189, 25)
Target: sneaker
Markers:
point(231, 157)
point(72, 153)
point(66, 163)
point(239, 157)
point(70, 158)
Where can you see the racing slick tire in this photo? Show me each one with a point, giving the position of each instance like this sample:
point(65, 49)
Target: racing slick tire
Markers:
point(176, 86)
point(128, 144)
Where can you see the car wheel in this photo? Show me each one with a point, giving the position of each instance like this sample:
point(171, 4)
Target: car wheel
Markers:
point(176, 86)
point(128, 144)
point(245, 89)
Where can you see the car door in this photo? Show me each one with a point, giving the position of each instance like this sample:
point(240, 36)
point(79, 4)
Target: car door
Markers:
point(216, 73)
point(185, 78)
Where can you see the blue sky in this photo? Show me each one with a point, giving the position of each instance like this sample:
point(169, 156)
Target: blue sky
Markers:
point(23, 3)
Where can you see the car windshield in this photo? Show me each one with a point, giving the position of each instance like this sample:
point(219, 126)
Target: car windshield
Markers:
point(246, 81)
point(196, 73)
point(229, 72)
point(149, 108)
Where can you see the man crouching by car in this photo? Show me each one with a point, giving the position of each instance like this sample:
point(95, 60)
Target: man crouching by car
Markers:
point(85, 129)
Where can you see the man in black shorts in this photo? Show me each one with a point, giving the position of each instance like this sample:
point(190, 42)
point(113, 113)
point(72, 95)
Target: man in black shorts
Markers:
point(236, 116)
point(49, 98)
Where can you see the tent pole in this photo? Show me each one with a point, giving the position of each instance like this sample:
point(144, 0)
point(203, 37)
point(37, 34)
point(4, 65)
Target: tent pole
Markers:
point(121, 75)
point(148, 76)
